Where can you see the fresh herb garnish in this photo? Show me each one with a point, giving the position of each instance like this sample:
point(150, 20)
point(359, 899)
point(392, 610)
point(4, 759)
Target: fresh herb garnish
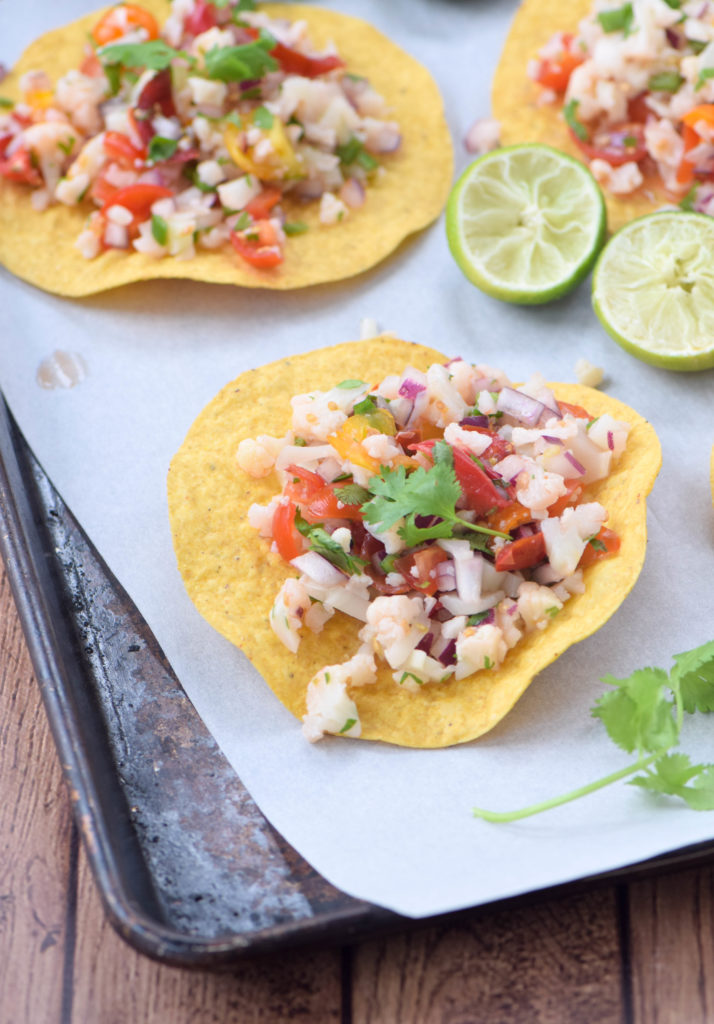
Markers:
point(262, 118)
point(688, 201)
point(321, 542)
point(348, 725)
point(159, 229)
point(570, 113)
point(352, 494)
point(67, 146)
point(367, 405)
point(161, 148)
point(348, 385)
point(241, 63)
point(242, 222)
point(704, 75)
point(354, 152)
point(295, 227)
point(643, 714)
point(6, 103)
point(154, 54)
point(618, 19)
point(477, 618)
point(665, 81)
point(424, 492)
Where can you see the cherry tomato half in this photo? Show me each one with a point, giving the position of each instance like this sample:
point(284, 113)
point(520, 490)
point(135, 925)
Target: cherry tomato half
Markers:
point(554, 72)
point(523, 553)
point(621, 144)
point(606, 543)
point(287, 538)
point(122, 19)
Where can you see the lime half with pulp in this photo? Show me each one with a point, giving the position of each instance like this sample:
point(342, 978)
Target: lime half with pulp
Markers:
point(525, 223)
point(653, 289)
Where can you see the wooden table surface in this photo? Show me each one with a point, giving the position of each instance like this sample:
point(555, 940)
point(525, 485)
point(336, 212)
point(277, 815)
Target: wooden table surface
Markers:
point(638, 952)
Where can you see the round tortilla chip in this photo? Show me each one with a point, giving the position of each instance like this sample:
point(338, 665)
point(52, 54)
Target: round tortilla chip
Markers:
point(408, 196)
point(514, 99)
point(232, 576)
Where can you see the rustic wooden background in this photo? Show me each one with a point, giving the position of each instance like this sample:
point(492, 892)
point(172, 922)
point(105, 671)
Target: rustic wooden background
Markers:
point(640, 952)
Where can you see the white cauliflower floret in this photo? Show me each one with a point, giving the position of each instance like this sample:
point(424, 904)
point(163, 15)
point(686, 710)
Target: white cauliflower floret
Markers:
point(260, 517)
point(382, 447)
point(395, 625)
point(393, 543)
point(537, 605)
point(329, 706)
point(479, 647)
point(445, 402)
point(619, 180)
point(509, 621)
point(566, 536)
point(318, 414)
point(464, 377)
point(288, 611)
point(257, 456)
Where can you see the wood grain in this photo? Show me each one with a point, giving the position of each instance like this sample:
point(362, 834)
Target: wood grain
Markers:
point(553, 962)
point(35, 828)
point(672, 948)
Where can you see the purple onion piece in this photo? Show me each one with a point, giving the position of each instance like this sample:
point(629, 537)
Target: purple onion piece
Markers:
point(474, 421)
point(489, 618)
point(425, 643)
point(526, 530)
point(521, 407)
point(552, 440)
point(610, 441)
point(673, 38)
point(578, 466)
point(448, 655)
point(410, 388)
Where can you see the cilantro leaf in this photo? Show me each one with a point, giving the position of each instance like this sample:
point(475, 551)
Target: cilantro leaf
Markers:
point(635, 714)
point(672, 775)
point(159, 229)
point(354, 152)
point(618, 19)
point(154, 54)
point(295, 227)
point(665, 81)
point(693, 672)
point(352, 494)
point(688, 202)
point(704, 75)
point(241, 63)
point(570, 113)
point(161, 148)
point(321, 542)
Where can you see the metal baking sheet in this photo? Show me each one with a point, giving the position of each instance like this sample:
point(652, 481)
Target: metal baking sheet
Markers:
point(189, 870)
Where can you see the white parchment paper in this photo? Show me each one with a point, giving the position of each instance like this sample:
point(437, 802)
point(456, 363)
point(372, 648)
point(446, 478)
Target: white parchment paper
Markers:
point(388, 825)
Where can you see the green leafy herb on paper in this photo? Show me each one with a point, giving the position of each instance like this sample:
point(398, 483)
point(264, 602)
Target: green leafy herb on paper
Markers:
point(570, 113)
point(424, 492)
point(643, 714)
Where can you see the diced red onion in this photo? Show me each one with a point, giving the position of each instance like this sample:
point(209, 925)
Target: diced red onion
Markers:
point(526, 530)
point(318, 569)
point(385, 140)
point(446, 576)
point(425, 643)
point(353, 193)
point(552, 440)
point(307, 190)
point(474, 421)
point(521, 407)
point(448, 655)
point(673, 38)
point(410, 388)
point(116, 236)
point(610, 441)
point(578, 466)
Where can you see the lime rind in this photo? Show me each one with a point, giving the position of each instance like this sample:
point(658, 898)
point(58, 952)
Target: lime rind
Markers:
point(525, 223)
point(653, 289)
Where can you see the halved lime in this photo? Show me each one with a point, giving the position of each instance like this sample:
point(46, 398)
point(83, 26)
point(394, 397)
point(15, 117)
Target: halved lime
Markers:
point(525, 223)
point(653, 289)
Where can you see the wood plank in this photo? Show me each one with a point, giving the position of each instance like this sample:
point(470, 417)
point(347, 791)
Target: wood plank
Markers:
point(672, 948)
point(35, 829)
point(550, 963)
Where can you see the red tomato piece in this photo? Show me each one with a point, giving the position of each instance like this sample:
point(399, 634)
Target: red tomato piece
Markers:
point(91, 66)
point(618, 145)
point(296, 63)
point(262, 257)
point(523, 553)
point(286, 535)
point(508, 518)
point(574, 410)
point(607, 543)
point(424, 563)
point(326, 505)
point(121, 149)
point(19, 167)
point(201, 18)
point(554, 72)
point(477, 487)
point(499, 447)
point(139, 198)
point(260, 206)
point(121, 19)
point(571, 497)
point(303, 485)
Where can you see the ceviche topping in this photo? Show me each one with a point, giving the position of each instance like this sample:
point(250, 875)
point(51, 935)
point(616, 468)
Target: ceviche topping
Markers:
point(190, 135)
point(447, 510)
point(636, 82)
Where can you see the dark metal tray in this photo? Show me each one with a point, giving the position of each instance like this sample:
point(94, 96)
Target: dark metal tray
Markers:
point(189, 870)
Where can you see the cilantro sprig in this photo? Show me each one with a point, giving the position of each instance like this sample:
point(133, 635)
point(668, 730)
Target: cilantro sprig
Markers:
point(321, 542)
point(241, 63)
point(423, 492)
point(643, 714)
point(154, 54)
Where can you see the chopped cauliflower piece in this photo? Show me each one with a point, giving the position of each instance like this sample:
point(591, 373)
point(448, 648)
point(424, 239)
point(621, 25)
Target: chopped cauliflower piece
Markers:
point(537, 605)
point(479, 647)
point(288, 611)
